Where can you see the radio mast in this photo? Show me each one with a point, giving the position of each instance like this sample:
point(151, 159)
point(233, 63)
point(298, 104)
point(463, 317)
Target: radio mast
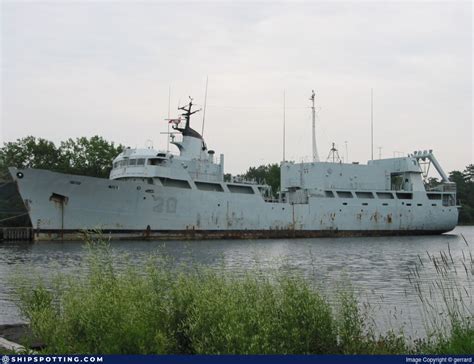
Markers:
point(315, 150)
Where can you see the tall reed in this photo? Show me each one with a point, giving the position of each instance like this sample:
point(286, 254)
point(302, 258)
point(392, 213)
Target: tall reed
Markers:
point(159, 308)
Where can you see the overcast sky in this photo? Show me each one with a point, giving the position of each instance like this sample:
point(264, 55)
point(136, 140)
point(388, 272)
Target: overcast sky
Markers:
point(71, 69)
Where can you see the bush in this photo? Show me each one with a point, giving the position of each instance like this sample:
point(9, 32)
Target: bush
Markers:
point(167, 310)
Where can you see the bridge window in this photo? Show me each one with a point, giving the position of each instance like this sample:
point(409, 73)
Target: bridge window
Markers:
point(156, 161)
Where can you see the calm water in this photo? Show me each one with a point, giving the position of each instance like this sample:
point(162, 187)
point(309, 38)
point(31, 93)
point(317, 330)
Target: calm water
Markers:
point(377, 267)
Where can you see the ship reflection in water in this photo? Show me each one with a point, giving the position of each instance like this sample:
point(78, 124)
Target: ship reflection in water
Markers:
point(378, 267)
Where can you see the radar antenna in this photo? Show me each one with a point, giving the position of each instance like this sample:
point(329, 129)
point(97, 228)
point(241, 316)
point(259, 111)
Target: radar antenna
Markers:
point(187, 114)
point(333, 155)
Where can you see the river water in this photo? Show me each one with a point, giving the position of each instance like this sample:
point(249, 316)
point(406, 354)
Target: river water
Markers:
point(378, 267)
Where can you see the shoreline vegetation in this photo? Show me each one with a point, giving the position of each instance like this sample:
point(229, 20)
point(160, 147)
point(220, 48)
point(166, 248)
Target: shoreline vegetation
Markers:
point(116, 307)
point(93, 157)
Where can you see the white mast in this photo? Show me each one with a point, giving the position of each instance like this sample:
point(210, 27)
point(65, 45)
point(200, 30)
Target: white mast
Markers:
point(315, 150)
point(169, 106)
point(284, 124)
point(204, 112)
point(372, 123)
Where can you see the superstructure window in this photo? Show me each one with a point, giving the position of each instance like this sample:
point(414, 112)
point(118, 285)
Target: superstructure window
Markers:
point(140, 161)
point(385, 195)
point(171, 182)
point(133, 162)
point(241, 189)
point(434, 196)
point(329, 194)
point(396, 181)
point(448, 200)
point(404, 196)
point(207, 186)
point(156, 161)
point(344, 194)
point(364, 195)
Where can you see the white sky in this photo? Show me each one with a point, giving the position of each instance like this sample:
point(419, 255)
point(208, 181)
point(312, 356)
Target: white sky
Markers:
point(71, 69)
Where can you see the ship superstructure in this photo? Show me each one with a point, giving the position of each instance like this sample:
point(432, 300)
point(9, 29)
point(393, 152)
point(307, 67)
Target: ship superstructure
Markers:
point(157, 194)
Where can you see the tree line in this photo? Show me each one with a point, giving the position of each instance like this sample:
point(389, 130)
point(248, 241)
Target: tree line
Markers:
point(93, 157)
point(84, 156)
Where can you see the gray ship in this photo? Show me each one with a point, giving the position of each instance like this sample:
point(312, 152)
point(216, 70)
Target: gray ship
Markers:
point(159, 195)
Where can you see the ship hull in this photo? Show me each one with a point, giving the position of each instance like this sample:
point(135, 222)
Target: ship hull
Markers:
point(63, 206)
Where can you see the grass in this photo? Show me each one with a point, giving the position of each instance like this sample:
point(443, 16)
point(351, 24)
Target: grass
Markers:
point(192, 310)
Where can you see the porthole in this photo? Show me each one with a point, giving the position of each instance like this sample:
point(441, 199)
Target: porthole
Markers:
point(19, 175)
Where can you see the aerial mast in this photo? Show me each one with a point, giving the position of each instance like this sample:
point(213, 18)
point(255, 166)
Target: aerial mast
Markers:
point(205, 103)
point(284, 124)
point(372, 124)
point(315, 150)
point(169, 106)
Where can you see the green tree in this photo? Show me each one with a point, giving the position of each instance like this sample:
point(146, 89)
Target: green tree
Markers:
point(469, 173)
point(89, 157)
point(432, 182)
point(269, 174)
point(465, 193)
point(29, 152)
